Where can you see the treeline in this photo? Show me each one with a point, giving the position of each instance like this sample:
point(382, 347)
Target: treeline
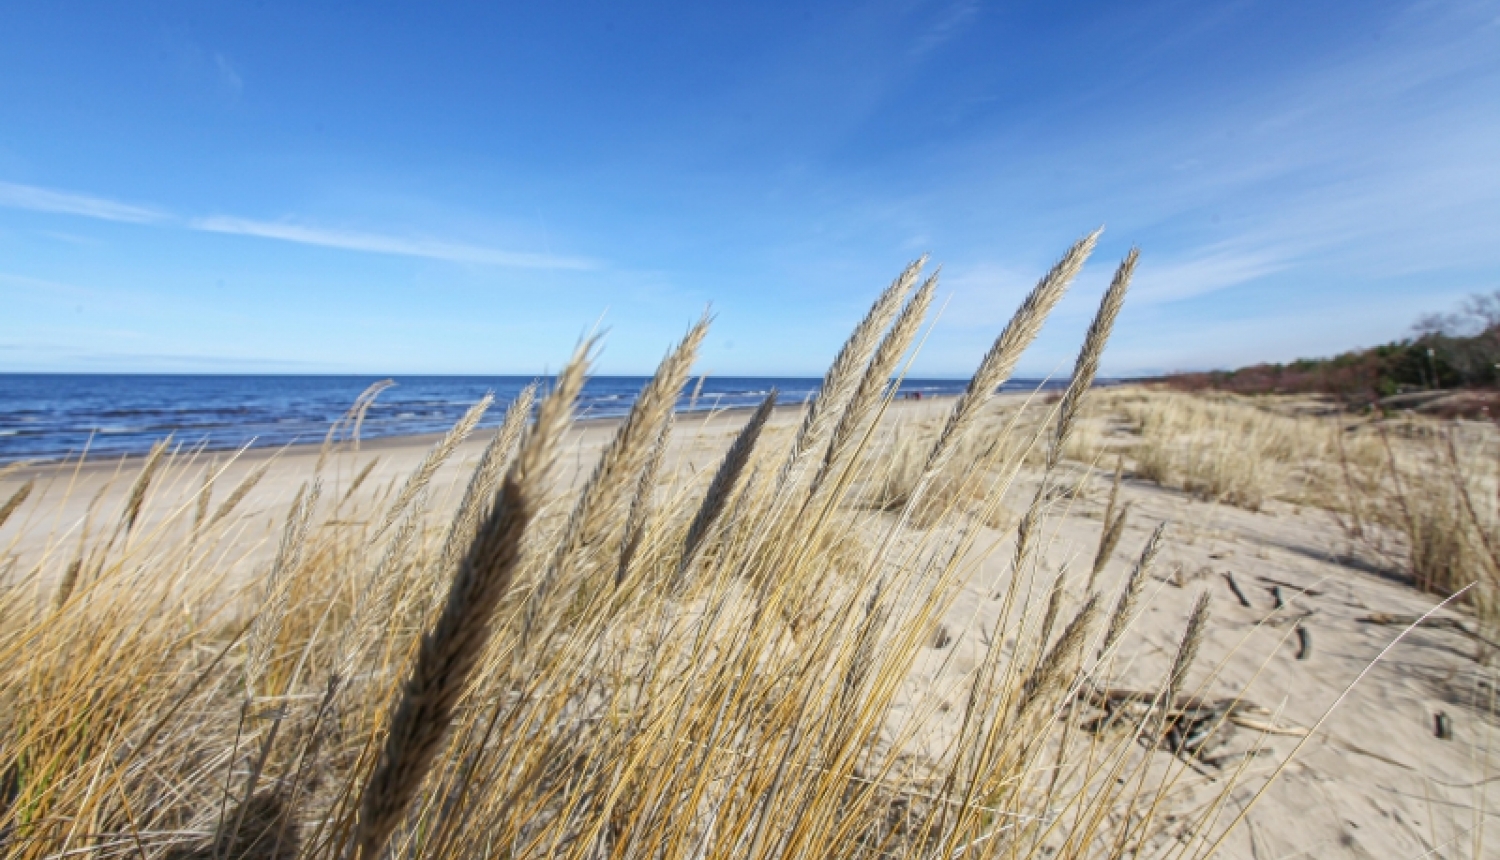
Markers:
point(1447, 351)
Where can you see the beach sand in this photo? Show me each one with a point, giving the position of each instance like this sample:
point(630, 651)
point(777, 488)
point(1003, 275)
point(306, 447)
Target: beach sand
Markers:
point(1374, 781)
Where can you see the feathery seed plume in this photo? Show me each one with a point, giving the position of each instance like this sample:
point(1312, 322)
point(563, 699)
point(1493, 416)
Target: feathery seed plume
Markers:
point(998, 364)
point(487, 474)
point(363, 404)
point(697, 390)
point(1109, 539)
point(74, 571)
point(373, 601)
point(1114, 490)
point(239, 494)
point(1024, 529)
point(137, 496)
point(450, 649)
point(16, 499)
point(1054, 605)
point(640, 503)
point(200, 510)
point(355, 416)
point(877, 376)
point(1131, 593)
point(1187, 648)
point(261, 637)
point(596, 515)
point(1087, 366)
point(359, 480)
point(844, 374)
point(434, 460)
point(724, 482)
point(1049, 675)
point(67, 583)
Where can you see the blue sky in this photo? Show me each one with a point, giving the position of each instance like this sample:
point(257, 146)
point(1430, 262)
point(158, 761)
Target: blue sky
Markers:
point(456, 188)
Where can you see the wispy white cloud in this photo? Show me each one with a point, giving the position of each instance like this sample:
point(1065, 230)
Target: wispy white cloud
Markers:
point(985, 293)
point(384, 244)
point(42, 285)
point(229, 78)
point(1203, 273)
point(950, 23)
point(36, 199)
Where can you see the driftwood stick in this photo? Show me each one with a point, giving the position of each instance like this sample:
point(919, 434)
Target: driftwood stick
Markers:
point(1304, 642)
point(1303, 592)
point(1236, 711)
point(1235, 587)
point(1276, 596)
point(1442, 726)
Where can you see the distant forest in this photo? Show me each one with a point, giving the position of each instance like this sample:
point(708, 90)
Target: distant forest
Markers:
point(1457, 350)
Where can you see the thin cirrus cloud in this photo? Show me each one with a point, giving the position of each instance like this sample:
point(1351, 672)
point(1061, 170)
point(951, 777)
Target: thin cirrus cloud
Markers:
point(67, 203)
point(1217, 269)
point(382, 244)
point(36, 199)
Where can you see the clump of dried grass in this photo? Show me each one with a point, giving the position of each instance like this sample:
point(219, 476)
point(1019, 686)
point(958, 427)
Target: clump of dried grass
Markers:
point(1222, 448)
point(1426, 502)
point(664, 667)
point(952, 489)
point(1413, 495)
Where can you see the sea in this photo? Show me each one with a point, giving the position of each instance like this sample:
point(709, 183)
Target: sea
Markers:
point(51, 416)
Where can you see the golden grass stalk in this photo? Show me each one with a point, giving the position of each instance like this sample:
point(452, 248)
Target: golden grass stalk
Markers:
point(261, 639)
point(1130, 594)
point(596, 515)
point(1187, 647)
point(374, 601)
point(726, 478)
point(359, 480)
point(640, 504)
point(1057, 666)
point(998, 364)
point(1055, 596)
point(481, 488)
point(137, 497)
point(1087, 366)
point(876, 379)
point(436, 456)
point(354, 418)
point(205, 494)
point(68, 583)
point(239, 493)
point(697, 390)
point(16, 499)
point(451, 648)
point(1109, 540)
point(843, 376)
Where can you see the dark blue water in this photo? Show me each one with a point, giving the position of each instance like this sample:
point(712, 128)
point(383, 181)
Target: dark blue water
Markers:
point(48, 416)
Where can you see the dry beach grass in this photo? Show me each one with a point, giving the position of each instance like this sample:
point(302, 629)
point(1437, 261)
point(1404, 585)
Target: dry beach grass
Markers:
point(866, 628)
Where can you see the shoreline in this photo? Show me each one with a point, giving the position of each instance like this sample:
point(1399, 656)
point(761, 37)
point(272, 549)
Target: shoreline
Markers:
point(256, 454)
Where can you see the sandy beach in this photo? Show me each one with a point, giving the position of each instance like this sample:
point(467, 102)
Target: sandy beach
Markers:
point(1374, 781)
